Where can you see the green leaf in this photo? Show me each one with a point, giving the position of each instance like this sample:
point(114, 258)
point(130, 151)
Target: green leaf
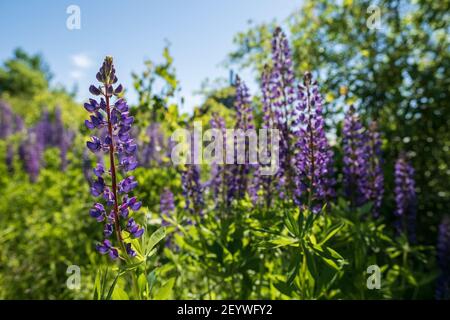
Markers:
point(165, 290)
point(97, 286)
point(331, 233)
point(113, 285)
point(291, 224)
point(119, 294)
point(329, 256)
point(283, 288)
point(151, 279)
point(154, 239)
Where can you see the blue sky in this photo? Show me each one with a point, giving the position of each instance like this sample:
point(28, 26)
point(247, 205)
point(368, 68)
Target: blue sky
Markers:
point(200, 31)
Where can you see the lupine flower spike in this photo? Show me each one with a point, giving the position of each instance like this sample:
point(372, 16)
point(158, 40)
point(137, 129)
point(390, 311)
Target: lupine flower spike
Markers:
point(405, 198)
point(166, 204)
point(443, 260)
point(117, 143)
point(375, 179)
point(355, 158)
point(314, 156)
point(282, 97)
point(239, 183)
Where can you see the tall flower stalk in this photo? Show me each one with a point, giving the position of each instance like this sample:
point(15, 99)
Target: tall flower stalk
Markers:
point(282, 97)
point(314, 156)
point(375, 179)
point(192, 189)
point(219, 172)
point(443, 260)
point(120, 147)
point(239, 182)
point(355, 158)
point(405, 198)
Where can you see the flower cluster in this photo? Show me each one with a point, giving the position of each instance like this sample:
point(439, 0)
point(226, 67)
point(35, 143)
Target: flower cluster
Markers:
point(355, 158)
point(314, 156)
point(219, 174)
point(46, 133)
point(192, 189)
point(443, 260)
point(152, 150)
point(30, 153)
point(279, 86)
point(6, 120)
point(269, 122)
point(405, 197)
point(10, 123)
point(117, 142)
point(375, 179)
point(239, 183)
point(166, 205)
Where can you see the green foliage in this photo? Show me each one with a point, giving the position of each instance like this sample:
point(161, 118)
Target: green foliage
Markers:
point(24, 75)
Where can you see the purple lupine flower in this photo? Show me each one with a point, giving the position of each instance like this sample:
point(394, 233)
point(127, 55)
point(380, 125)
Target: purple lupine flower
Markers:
point(375, 180)
point(405, 198)
point(443, 260)
point(134, 229)
point(30, 153)
point(219, 172)
point(44, 129)
point(18, 123)
point(314, 157)
point(9, 159)
point(57, 129)
point(106, 247)
point(167, 207)
point(9, 124)
point(6, 120)
point(166, 202)
point(130, 251)
point(62, 138)
point(238, 182)
point(151, 150)
point(192, 189)
point(282, 79)
point(269, 122)
point(114, 124)
point(98, 212)
point(355, 158)
point(282, 97)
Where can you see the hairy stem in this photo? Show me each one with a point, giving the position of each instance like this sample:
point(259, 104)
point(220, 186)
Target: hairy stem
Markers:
point(117, 228)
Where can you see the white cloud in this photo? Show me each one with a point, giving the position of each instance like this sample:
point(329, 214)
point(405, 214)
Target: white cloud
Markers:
point(81, 61)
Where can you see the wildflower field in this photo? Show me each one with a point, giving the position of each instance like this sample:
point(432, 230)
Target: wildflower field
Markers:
point(318, 170)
